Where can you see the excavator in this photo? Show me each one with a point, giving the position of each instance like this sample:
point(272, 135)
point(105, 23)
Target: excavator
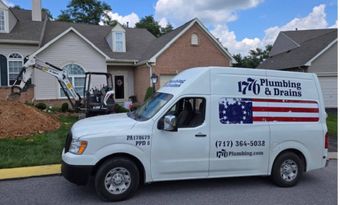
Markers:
point(94, 102)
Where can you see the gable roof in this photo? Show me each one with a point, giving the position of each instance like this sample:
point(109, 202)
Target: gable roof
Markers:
point(25, 29)
point(162, 43)
point(46, 45)
point(141, 45)
point(309, 44)
point(136, 39)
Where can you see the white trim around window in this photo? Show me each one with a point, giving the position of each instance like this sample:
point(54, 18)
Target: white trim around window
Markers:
point(2, 21)
point(18, 59)
point(72, 79)
point(5, 20)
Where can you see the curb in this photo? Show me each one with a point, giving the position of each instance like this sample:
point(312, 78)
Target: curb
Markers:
point(332, 155)
point(45, 170)
point(23, 172)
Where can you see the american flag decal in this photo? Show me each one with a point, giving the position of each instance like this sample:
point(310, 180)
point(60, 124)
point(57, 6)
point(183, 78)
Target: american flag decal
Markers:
point(249, 111)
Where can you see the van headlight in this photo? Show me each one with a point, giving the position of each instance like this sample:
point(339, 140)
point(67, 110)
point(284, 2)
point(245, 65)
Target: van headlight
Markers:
point(78, 146)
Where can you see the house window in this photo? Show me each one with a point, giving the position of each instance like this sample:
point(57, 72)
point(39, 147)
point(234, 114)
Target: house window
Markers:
point(119, 42)
point(194, 39)
point(76, 75)
point(15, 62)
point(2, 21)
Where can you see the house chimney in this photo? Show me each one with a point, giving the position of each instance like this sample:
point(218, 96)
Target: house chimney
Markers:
point(36, 10)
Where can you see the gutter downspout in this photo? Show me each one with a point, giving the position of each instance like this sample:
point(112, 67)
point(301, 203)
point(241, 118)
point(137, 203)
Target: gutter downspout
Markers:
point(150, 71)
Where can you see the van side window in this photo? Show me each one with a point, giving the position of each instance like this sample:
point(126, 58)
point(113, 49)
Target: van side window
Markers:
point(189, 112)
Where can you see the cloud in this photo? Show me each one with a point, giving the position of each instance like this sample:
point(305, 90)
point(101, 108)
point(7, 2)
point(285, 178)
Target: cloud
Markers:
point(213, 11)
point(335, 25)
point(314, 20)
point(163, 22)
point(131, 18)
point(228, 39)
point(8, 3)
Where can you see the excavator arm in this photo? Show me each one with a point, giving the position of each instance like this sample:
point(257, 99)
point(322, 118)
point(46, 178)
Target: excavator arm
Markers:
point(25, 75)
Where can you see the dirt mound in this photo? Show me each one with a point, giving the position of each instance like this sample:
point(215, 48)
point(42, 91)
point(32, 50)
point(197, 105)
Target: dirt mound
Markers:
point(18, 119)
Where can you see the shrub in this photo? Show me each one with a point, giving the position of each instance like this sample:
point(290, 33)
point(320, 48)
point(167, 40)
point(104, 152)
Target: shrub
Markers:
point(134, 106)
point(133, 99)
point(41, 106)
point(120, 109)
point(148, 93)
point(64, 107)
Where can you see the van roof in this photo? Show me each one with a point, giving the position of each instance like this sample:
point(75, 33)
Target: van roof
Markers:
point(197, 80)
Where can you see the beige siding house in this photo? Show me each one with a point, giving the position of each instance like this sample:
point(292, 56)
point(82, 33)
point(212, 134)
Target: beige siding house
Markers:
point(131, 55)
point(313, 51)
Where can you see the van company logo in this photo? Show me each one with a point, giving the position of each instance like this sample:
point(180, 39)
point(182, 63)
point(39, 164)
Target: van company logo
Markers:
point(270, 87)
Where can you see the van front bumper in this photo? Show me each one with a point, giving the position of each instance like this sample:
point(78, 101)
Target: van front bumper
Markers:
point(77, 174)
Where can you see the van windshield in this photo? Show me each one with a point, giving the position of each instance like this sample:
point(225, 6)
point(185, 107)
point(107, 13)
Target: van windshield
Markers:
point(150, 107)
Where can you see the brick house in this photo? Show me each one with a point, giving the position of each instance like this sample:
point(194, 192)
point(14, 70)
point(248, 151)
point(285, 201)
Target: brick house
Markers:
point(131, 55)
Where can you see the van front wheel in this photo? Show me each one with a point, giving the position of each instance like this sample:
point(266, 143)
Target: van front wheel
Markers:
point(117, 179)
point(287, 169)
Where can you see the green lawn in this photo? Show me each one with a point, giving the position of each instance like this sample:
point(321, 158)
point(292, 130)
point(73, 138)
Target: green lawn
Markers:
point(39, 149)
point(332, 124)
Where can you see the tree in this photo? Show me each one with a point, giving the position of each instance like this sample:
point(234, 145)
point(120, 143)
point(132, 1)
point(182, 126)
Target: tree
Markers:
point(16, 7)
point(254, 58)
point(149, 23)
point(84, 11)
point(48, 13)
point(107, 20)
point(166, 29)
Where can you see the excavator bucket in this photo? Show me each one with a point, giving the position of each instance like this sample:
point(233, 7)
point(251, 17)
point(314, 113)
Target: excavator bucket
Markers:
point(15, 94)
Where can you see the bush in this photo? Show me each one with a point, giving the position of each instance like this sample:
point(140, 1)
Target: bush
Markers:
point(64, 107)
point(120, 109)
point(133, 99)
point(148, 93)
point(41, 106)
point(134, 106)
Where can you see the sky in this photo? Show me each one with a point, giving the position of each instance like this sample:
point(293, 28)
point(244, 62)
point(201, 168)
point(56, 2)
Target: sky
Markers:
point(240, 25)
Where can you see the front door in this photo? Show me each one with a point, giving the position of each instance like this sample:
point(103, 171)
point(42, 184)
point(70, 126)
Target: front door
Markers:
point(183, 153)
point(119, 87)
point(3, 70)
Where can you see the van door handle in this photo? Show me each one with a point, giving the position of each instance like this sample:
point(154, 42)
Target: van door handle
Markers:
point(200, 135)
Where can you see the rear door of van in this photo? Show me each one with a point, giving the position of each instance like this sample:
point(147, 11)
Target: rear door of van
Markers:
point(296, 120)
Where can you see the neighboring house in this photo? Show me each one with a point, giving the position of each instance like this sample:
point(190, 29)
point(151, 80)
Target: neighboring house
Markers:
point(313, 51)
point(131, 55)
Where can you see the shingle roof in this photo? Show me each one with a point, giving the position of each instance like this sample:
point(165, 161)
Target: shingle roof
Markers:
point(141, 45)
point(160, 42)
point(25, 29)
point(310, 43)
point(136, 39)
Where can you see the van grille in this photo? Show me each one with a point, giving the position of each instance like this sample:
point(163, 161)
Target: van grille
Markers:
point(68, 142)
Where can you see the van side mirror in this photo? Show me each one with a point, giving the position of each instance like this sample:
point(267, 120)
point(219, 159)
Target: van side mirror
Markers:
point(170, 123)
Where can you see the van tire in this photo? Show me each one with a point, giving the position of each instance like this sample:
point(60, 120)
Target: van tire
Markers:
point(287, 169)
point(120, 169)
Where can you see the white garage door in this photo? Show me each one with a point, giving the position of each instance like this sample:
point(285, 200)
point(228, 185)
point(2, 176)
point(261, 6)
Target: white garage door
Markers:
point(164, 79)
point(329, 90)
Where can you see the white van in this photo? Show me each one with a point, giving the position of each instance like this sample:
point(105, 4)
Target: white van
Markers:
point(206, 122)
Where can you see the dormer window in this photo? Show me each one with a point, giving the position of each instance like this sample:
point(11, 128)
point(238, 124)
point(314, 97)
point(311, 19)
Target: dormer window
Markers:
point(2, 21)
point(119, 42)
point(116, 38)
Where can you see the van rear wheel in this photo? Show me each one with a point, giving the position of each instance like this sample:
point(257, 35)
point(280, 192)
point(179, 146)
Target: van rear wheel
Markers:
point(117, 179)
point(287, 169)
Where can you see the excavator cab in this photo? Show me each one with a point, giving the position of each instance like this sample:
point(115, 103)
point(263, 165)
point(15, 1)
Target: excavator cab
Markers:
point(98, 94)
